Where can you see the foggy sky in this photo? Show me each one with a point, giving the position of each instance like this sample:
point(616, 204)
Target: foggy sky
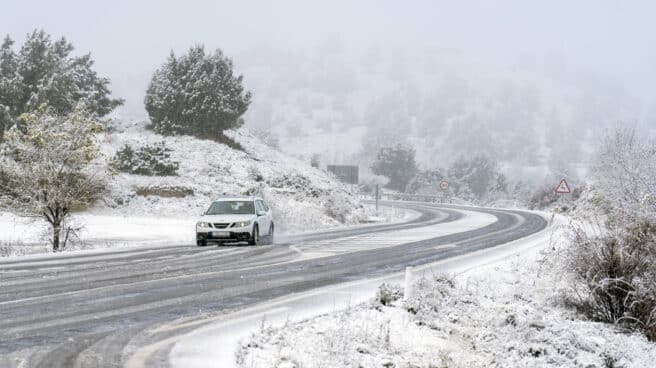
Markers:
point(132, 38)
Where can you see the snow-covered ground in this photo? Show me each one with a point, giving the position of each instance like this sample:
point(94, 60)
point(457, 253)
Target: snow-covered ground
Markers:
point(302, 197)
point(504, 314)
point(23, 236)
point(148, 210)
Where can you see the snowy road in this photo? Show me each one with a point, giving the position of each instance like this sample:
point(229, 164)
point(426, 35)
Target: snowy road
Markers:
point(90, 310)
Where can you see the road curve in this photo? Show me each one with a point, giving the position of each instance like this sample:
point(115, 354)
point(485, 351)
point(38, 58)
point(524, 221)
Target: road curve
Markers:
point(92, 310)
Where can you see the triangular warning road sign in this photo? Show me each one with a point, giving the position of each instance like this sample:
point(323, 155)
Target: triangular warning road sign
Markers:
point(563, 187)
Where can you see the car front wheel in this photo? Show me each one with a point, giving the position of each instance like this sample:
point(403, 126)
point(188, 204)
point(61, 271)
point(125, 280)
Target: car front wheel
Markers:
point(270, 237)
point(255, 237)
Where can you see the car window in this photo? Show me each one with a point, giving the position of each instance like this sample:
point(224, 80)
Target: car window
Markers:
point(258, 206)
point(231, 208)
point(266, 207)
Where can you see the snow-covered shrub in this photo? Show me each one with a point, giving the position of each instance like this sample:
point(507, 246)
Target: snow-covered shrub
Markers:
point(297, 183)
point(164, 191)
point(476, 178)
point(543, 198)
point(617, 272)
point(338, 206)
point(425, 182)
point(255, 174)
point(150, 160)
point(434, 292)
point(197, 94)
point(625, 177)
point(388, 294)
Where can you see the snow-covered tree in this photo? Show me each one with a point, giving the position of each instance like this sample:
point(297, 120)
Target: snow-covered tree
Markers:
point(426, 182)
point(625, 177)
point(45, 167)
point(614, 268)
point(44, 72)
point(475, 177)
point(397, 164)
point(197, 94)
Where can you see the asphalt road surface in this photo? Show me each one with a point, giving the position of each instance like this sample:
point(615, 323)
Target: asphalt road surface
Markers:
point(92, 310)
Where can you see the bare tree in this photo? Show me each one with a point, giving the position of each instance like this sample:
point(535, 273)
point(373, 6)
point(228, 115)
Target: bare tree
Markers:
point(45, 167)
point(625, 177)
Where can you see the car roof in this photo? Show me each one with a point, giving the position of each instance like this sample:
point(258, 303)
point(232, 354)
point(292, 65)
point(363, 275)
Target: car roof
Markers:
point(237, 198)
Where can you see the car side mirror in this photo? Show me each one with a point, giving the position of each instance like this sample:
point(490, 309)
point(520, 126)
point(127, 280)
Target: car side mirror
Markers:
point(261, 213)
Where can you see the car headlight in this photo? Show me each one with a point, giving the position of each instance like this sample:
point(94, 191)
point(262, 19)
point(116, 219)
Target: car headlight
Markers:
point(242, 223)
point(202, 224)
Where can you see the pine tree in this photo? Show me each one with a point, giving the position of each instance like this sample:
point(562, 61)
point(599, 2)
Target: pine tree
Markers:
point(8, 91)
point(397, 164)
point(196, 94)
point(43, 72)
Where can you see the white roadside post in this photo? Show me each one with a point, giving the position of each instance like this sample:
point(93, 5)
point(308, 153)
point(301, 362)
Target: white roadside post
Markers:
point(409, 286)
point(377, 197)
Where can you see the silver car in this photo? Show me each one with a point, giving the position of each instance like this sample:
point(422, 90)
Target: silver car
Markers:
point(234, 219)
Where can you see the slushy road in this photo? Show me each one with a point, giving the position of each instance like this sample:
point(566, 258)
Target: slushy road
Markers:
point(91, 310)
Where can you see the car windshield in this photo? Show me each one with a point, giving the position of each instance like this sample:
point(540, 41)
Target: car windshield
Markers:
point(231, 208)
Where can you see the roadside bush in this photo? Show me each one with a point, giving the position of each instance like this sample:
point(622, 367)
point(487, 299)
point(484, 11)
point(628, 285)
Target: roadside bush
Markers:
point(425, 182)
point(298, 183)
point(150, 160)
point(255, 174)
point(617, 272)
point(388, 294)
point(164, 191)
point(543, 198)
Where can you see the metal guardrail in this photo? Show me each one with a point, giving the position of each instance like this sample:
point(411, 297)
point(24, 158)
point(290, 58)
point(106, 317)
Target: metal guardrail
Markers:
point(416, 197)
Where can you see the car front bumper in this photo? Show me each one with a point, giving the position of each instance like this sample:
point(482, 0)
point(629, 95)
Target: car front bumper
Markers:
point(222, 236)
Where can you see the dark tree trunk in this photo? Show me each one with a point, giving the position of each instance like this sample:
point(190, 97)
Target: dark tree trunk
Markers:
point(56, 233)
point(55, 215)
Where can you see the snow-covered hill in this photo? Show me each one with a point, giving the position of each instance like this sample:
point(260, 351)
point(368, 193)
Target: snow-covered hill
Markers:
point(141, 209)
point(303, 197)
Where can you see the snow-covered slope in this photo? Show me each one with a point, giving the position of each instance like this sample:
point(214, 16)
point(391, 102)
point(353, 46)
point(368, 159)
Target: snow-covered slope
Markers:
point(302, 197)
point(141, 209)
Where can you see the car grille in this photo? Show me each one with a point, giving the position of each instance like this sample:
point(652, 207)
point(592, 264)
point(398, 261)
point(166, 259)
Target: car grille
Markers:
point(220, 225)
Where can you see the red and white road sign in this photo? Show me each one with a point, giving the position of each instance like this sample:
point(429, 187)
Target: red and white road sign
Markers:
point(444, 185)
point(563, 187)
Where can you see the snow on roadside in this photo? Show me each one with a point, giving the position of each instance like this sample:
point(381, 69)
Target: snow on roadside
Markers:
point(24, 236)
point(501, 315)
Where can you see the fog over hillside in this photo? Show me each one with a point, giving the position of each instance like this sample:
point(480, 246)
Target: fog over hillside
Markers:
point(531, 85)
point(534, 114)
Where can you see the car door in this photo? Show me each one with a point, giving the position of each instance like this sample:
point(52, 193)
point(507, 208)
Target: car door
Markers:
point(269, 212)
point(264, 221)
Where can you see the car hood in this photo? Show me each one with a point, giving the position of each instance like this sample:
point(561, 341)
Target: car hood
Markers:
point(227, 218)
